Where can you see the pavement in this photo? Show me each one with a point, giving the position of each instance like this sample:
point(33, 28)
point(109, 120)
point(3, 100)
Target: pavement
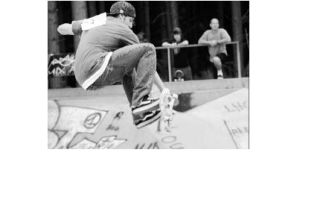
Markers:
point(211, 114)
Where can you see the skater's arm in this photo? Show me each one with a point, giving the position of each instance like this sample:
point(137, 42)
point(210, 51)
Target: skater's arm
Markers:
point(76, 27)
point(70, 29)
point(158, 82)
point(133, 39)
point(65, 29)
point(128, 37)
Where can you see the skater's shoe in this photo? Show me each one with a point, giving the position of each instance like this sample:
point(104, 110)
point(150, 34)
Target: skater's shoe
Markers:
point(147, 105)
point(146, 118)
point(220, 76)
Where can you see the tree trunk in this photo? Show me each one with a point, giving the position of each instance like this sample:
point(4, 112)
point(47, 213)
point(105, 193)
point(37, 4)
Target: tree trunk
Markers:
point(237, 27)
point(92, 10)
point(168, 19)
point(53, 36)
point(140, 18)
point(162, 54)
point(101, 6)
point(147, 20)
point(174, 14)
point(220, 13)
point(79, 11)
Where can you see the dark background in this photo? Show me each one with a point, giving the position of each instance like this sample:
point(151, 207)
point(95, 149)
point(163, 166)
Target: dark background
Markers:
point(157, 20)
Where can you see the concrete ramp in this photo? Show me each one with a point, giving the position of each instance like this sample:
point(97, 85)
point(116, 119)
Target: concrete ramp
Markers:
point(229, 113)
point(105, 122)
point(190, 132)
point(75, 127)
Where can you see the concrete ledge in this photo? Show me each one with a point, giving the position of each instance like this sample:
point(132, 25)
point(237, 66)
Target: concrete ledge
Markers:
point(176, 87)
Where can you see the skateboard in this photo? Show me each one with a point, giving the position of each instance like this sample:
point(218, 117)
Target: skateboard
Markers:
point(167, 101)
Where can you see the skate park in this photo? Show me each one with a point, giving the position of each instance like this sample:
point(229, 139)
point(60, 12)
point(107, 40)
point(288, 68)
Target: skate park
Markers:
point(210, 114)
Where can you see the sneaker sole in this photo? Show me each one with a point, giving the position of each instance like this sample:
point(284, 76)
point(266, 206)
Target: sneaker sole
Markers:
point(148, 122)
point(153, 106)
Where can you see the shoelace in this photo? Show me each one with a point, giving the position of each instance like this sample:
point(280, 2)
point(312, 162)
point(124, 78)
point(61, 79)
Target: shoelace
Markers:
point(148, 98)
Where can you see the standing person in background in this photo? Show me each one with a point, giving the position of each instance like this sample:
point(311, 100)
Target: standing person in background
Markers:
point(216, 38)
point(181, 61)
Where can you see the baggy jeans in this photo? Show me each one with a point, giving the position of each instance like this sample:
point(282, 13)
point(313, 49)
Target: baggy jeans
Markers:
point(134, 66)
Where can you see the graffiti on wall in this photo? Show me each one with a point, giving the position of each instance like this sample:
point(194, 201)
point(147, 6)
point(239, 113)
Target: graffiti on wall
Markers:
point(237, 106)
point(237, 124)
point(107, 142)
point(153, 145)
point(66, 123)
point(172, 142)
point(115, 120)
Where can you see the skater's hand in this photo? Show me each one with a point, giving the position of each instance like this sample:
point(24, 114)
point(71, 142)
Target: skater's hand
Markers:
point(65, 29)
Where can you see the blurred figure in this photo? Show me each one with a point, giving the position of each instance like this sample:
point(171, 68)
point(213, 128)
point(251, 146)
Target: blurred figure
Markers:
point(216, 38)
point(181, 61)
point(142, 37)
point(179, 76)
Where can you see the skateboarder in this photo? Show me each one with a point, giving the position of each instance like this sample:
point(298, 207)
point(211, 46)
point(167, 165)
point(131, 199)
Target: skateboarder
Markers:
point(111, 53)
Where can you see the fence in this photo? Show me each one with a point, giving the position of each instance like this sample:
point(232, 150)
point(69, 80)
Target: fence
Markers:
point(196, 46)
point(52, 58)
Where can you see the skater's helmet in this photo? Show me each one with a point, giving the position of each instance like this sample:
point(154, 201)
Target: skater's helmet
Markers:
point(123, 7)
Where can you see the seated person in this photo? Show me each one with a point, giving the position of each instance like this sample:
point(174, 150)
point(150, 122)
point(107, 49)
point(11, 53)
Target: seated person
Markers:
point(181, 61)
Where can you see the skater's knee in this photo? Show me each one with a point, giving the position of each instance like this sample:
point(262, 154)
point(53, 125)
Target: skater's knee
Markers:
point(149, 47)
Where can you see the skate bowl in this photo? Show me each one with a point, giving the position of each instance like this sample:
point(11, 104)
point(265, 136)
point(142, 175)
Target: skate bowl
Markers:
point(205, 118)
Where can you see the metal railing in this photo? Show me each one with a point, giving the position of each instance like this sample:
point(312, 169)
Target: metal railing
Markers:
point(200, 45)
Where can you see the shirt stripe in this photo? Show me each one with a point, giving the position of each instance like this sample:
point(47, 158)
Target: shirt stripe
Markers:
point(98, 73)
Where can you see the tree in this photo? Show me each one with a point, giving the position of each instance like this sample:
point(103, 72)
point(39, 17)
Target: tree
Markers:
point(53, 36)
point(174, 13)
point(101, 6)
point(237, 27)
point(168, 18)
point(79, 11)
point(220, 13)
point(92, 8)
point(147, 19)
point(172, 16)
